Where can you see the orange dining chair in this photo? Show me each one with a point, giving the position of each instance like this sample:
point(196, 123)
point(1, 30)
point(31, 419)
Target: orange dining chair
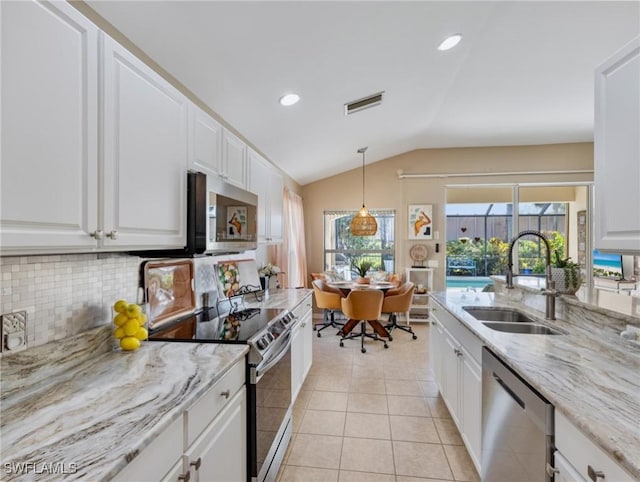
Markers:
point(329, 299)
point(363, 306)
point(398, 301)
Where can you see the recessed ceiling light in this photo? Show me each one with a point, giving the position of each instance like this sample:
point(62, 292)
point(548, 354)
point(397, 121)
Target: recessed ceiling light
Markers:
point(289, 99)
point(450, 42)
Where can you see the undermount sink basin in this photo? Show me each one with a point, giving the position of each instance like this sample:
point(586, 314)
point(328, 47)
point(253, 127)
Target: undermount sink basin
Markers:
point(498, 314)
point(521, 328)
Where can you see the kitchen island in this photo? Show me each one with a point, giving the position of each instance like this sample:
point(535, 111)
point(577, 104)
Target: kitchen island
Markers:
point(590, 374)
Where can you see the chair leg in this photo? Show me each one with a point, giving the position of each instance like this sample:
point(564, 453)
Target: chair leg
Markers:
point(393, 324)
point(362, 335)
point(328, 320)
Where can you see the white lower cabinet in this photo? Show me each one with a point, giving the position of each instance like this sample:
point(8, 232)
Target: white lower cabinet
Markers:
point(580, 459)
point(208, 442)
point(219, 453)
point(301, 346)
point(455, 353)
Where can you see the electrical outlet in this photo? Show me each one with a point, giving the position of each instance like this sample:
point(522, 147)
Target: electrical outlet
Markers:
point(14, 331)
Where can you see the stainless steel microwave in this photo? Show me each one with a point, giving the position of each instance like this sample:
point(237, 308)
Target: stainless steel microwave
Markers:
point(231, 216)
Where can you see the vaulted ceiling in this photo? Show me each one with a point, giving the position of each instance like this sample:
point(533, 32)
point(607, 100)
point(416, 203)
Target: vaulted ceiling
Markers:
point(522, 74)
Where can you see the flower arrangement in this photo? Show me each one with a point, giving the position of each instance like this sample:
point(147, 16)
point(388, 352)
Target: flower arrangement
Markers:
point(269, 270)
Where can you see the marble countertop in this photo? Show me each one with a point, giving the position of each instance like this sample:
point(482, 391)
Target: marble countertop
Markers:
point(280, 298)
point(605, 302)
point(590, 374)
point(80, 406)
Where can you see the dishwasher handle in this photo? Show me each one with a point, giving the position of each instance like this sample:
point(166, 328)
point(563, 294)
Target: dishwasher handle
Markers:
point(508, 390)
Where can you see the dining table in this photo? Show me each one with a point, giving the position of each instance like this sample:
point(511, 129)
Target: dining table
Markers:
point(346, 287)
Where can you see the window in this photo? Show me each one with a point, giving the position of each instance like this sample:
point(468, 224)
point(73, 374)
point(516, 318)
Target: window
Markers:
point(341, 249)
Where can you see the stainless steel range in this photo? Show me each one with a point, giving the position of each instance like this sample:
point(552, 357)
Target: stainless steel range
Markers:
point(268, 334)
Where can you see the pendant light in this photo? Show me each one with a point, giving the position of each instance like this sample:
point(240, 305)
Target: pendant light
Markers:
point(363, 223)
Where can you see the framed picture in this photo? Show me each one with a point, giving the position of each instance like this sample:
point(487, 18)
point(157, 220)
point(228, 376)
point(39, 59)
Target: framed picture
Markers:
point(236, 221)
point(420, 224)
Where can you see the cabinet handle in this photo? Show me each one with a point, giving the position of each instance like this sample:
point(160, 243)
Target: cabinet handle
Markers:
point(197, 463)
point(594, 474)
point(98, 234)
point(186, 477)
point(113, 234)
point(225, 394)
point(551, 470)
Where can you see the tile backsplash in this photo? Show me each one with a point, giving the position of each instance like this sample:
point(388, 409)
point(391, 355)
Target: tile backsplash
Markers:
point(64, 295)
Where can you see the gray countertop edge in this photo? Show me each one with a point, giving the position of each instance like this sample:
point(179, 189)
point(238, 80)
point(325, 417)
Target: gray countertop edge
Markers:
point(616, 430)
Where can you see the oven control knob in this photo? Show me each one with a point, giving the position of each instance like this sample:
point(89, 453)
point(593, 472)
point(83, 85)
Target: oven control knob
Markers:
point(263, 343)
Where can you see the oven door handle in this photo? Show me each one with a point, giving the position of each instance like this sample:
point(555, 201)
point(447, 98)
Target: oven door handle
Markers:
point(261, 369)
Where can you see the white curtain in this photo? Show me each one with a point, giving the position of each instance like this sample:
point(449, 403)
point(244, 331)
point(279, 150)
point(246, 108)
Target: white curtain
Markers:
point(291, 254)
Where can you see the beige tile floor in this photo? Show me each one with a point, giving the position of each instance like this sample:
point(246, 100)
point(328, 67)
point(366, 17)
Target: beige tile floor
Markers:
point(373, 417)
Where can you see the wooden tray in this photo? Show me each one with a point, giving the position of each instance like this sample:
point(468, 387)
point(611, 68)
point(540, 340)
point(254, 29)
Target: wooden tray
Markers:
point(168, 287)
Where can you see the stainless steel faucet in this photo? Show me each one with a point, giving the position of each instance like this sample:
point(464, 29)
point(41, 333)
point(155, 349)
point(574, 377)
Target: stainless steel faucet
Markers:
point(550, 290)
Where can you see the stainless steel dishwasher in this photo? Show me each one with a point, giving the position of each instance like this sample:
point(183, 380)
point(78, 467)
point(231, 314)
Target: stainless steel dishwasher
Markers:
point(517, 426)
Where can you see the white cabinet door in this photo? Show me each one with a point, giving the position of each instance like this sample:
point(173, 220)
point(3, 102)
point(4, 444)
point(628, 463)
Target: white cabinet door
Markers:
point(450, 371)
point(219, 454)
point(617, 151)
point(145, 154)
point(471, 405)
point(297, 359)
point(276, 207)
point(565, 471)
point(267, 183)
point(234, 159)
point(307, 335)
point(436, 343)
point(158, 459)
point(205, 143)
point(49, 127)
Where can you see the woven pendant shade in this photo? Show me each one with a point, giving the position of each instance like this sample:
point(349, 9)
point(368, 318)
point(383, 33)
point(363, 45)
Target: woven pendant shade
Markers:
point(363, 223)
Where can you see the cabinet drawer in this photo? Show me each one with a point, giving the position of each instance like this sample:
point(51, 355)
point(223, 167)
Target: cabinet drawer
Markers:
point(205, 410)
point(582, 453)
point(159, 457)
point(300, 310)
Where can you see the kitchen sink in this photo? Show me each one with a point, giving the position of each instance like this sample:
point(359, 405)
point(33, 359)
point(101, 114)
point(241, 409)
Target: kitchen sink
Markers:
point(498, 314)
point(521, 328)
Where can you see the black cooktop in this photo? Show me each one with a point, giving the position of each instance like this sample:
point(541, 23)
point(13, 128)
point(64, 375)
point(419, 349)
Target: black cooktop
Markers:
point(204, 326)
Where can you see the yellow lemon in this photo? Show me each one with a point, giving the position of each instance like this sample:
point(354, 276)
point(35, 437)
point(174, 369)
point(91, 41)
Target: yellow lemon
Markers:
point(133, 310)
point(129, 343)
point(119, 333)
point(142, 319)
point(120, 306)
point(141, 334)
point(120, 319)
point(131, 327)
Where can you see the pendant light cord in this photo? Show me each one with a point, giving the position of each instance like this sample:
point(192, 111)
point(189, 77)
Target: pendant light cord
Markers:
point(362, 150)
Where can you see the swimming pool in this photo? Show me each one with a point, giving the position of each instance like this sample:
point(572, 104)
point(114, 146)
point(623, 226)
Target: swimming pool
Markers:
point(463, 282)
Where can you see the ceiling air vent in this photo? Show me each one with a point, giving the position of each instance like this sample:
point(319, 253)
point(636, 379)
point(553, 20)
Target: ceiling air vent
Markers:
point(364, 103)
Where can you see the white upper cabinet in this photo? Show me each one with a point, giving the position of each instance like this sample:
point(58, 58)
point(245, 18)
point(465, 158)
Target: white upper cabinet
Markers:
point(49, 128)
point(145, 154)
point(266, 182)
point(617, 151)
point(205, 145)
point(234, 159)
